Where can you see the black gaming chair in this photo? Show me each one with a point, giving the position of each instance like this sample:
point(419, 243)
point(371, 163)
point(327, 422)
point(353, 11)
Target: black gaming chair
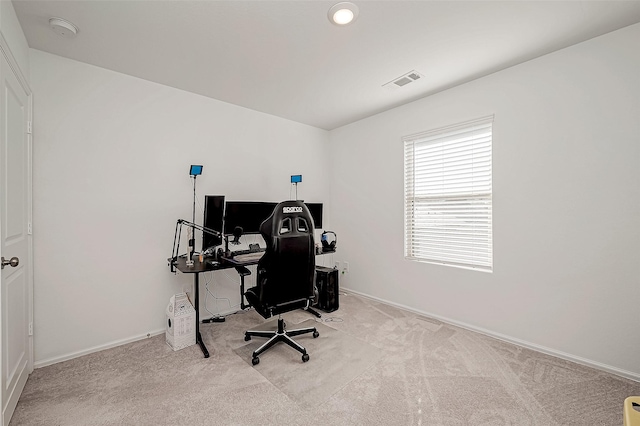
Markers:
point(286, 273)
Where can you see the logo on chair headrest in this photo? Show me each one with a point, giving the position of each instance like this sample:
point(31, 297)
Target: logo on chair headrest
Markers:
point(292, 209)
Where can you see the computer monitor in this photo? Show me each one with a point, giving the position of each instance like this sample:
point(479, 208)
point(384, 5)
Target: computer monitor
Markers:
point(213, 219)
point(248, 215)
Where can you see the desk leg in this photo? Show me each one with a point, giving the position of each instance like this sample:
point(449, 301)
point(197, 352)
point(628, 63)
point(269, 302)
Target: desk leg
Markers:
point(242, 271)
point(313, 311)
point(243, 306)
point(197, 308)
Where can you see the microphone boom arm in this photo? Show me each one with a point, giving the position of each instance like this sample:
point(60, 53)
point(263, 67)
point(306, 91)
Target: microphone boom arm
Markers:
point(178, 233)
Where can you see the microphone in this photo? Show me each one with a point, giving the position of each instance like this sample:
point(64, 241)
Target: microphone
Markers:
point(237, 233)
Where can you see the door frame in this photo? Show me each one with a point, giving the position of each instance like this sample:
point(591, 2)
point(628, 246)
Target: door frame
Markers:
point(15, 68)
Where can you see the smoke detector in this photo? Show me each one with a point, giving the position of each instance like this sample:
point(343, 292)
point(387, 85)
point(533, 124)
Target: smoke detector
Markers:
point(403, 80)
point(63, 28)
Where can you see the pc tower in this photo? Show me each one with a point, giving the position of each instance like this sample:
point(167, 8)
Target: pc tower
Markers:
point(327, 284)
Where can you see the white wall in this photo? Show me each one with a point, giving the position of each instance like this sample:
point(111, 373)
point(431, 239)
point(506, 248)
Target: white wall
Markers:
point(110, 179)
point(111, 159)
point(566, 206)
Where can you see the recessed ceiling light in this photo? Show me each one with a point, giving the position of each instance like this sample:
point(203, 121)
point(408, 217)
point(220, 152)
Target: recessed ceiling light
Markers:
point(343, 13)
point(62, 27)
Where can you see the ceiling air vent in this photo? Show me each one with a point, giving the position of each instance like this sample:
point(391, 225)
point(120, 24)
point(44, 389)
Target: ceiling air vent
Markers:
point(403, 80)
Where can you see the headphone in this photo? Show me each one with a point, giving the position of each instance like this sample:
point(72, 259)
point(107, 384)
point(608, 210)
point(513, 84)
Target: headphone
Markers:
point(326, 245)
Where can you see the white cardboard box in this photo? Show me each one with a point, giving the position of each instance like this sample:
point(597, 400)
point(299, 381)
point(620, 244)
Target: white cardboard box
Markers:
point(181, 322)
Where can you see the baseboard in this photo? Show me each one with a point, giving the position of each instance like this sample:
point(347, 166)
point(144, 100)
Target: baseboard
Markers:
point(55, 360)
point(559, 354)
point(67, 357)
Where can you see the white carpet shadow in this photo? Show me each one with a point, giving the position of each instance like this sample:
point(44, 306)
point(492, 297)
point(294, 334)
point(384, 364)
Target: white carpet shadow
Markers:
point(340, 357)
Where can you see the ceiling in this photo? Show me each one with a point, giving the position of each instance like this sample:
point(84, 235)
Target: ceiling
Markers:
point(286, 59)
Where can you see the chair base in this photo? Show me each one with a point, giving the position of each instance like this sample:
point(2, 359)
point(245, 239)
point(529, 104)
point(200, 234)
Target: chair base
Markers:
point(280, 335)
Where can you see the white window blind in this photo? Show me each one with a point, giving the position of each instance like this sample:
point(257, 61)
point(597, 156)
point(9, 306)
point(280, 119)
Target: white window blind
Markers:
point(448, 195)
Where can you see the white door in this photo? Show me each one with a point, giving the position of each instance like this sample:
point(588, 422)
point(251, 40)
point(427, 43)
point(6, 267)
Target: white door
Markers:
point(15, 211)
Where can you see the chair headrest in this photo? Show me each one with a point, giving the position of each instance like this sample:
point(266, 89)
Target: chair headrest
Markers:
point(289, 217)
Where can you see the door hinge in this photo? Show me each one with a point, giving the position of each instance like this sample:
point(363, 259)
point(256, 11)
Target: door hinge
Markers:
point(29, 230)
point(30, 329)
point(29, 130)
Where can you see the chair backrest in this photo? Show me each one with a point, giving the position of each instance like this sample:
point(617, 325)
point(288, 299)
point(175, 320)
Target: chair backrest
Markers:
point(286, 271)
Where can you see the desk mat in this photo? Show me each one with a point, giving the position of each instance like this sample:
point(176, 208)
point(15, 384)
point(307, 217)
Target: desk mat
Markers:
point(339, 356)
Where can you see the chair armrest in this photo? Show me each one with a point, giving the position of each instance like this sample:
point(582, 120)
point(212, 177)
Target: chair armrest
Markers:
point(242, 271)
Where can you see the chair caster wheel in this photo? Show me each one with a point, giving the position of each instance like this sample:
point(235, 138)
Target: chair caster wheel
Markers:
point(247, 337)
point(305, 357)
point(315, 334)
point(255, 360)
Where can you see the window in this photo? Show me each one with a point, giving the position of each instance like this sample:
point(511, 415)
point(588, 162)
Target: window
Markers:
point(448, 195)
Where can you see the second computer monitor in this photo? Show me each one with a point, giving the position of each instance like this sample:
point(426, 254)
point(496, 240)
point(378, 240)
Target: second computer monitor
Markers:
point(249, 215)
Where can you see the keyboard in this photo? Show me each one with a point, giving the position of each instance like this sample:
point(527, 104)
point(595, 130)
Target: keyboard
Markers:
point(236, 253)
point(248, 257)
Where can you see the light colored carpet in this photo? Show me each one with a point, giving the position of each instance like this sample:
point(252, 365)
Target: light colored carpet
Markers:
point(427, 373)
point(339, 356)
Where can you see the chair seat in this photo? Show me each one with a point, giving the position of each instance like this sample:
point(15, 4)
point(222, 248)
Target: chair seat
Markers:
point(269, 310)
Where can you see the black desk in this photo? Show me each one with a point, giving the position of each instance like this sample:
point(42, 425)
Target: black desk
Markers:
point(210, 265)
